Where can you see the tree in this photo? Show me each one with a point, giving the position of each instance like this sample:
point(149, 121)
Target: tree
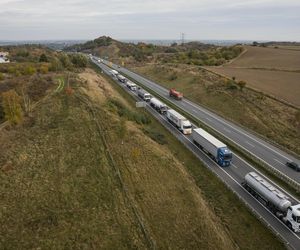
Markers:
point(241, 84)
point(43, 58)
point(11, 103)
point(29, 70)
point(79, 61)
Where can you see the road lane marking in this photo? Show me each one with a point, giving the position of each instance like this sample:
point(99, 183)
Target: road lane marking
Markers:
point(208, 118)
point(233, 165)
point(279, 161)
point(250, 144)
point(226, 129)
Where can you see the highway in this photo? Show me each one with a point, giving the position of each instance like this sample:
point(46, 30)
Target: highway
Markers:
point(264, 151)
point(232, 176)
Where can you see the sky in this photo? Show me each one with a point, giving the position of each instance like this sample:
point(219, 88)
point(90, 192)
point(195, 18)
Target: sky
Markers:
point(150, 19)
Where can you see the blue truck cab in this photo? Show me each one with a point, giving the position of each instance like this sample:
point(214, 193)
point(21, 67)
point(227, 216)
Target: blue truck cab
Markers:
point(224, 157)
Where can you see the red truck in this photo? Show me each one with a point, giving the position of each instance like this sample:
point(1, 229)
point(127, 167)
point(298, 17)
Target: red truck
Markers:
point(177, 95)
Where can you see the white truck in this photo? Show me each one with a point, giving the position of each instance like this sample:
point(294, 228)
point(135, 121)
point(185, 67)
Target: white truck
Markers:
point(132, 86)
point(144, 94)
point(121, 78)
point(211, 145)
point(179, 121)
point(158, 105)
point(113, 72)
point(276, 201)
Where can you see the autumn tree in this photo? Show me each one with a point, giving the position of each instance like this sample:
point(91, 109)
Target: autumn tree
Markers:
point(11, 103)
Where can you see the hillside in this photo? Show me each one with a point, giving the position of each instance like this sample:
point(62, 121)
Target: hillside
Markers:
point(133, 54)
point(88, 170)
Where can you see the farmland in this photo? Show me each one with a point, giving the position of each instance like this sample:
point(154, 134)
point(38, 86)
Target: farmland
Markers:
point(275, 71)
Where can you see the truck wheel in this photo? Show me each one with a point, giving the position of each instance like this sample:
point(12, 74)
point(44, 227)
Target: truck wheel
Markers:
point(289, 224)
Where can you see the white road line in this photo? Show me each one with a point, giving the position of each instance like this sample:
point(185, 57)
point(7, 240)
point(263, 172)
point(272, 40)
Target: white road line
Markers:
point(226, 129)
point(250, 144)
point(279, 161)
point(208, 118)
point(233, 165)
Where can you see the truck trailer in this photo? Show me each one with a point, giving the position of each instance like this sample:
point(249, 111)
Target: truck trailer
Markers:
point(215, 148)
point(131, 85)
point(121, 78)
point(158, 105)
point(176, 94)
point(144, 94)
point(113, 72)
point(276, 201)
point(179, 121)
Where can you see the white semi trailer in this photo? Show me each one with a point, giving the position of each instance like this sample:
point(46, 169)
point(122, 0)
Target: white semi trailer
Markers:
point(215, 148)
point(274, 200)
point(158, 105)
point(179, 121)
point(132, 86)
point(144, 94)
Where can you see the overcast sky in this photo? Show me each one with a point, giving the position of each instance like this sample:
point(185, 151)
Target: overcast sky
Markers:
point(150, 19)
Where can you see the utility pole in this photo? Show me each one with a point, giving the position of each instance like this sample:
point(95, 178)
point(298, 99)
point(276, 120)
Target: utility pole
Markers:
point(182, 38)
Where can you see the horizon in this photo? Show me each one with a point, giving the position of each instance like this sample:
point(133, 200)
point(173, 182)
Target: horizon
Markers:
point(255, 20)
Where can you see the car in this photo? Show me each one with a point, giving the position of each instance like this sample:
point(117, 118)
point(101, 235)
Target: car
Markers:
point(293, 165)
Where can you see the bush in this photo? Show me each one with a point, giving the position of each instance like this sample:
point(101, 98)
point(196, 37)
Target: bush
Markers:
point(241, 84)
point(44, 69)
point(43, 58)
point(29, 70)
point(231, 85)
point(155, 136)
point(79, 61)
point(11, 102)
point(1, 76)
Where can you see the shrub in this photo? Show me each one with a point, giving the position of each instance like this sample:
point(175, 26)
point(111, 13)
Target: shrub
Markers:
point(1, 76)
point(155, 136)
point(29, 70)
point(11, 102)
point(241, 84)
point(44, 69)
point(43, 58)
point(231, 85)
point(79, 61)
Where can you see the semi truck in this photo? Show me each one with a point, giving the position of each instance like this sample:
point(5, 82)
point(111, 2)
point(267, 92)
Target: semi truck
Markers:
point(276, 201)
point(114, 72)
point(131, 85)
point(158, 105)
point(144, 94)
point(121, 78)
point(176, 94)
point(212, 146)
point(179, 121)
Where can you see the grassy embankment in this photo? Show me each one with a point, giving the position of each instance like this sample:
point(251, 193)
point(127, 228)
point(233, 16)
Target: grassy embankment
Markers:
point(65, 169)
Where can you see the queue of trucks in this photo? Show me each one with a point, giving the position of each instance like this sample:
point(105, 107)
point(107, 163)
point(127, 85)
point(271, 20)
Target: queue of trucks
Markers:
point(267, 194)
point(217, 150)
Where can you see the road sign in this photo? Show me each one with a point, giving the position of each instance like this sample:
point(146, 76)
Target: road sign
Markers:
point(140, 104)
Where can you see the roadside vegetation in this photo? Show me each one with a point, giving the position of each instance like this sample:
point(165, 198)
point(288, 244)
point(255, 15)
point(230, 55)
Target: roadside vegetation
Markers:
point(33, 69)
point(89, 170)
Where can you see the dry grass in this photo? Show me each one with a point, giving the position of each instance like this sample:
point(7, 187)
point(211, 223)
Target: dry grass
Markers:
point(59, 188)
point(259, 57)
point(283, 85)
